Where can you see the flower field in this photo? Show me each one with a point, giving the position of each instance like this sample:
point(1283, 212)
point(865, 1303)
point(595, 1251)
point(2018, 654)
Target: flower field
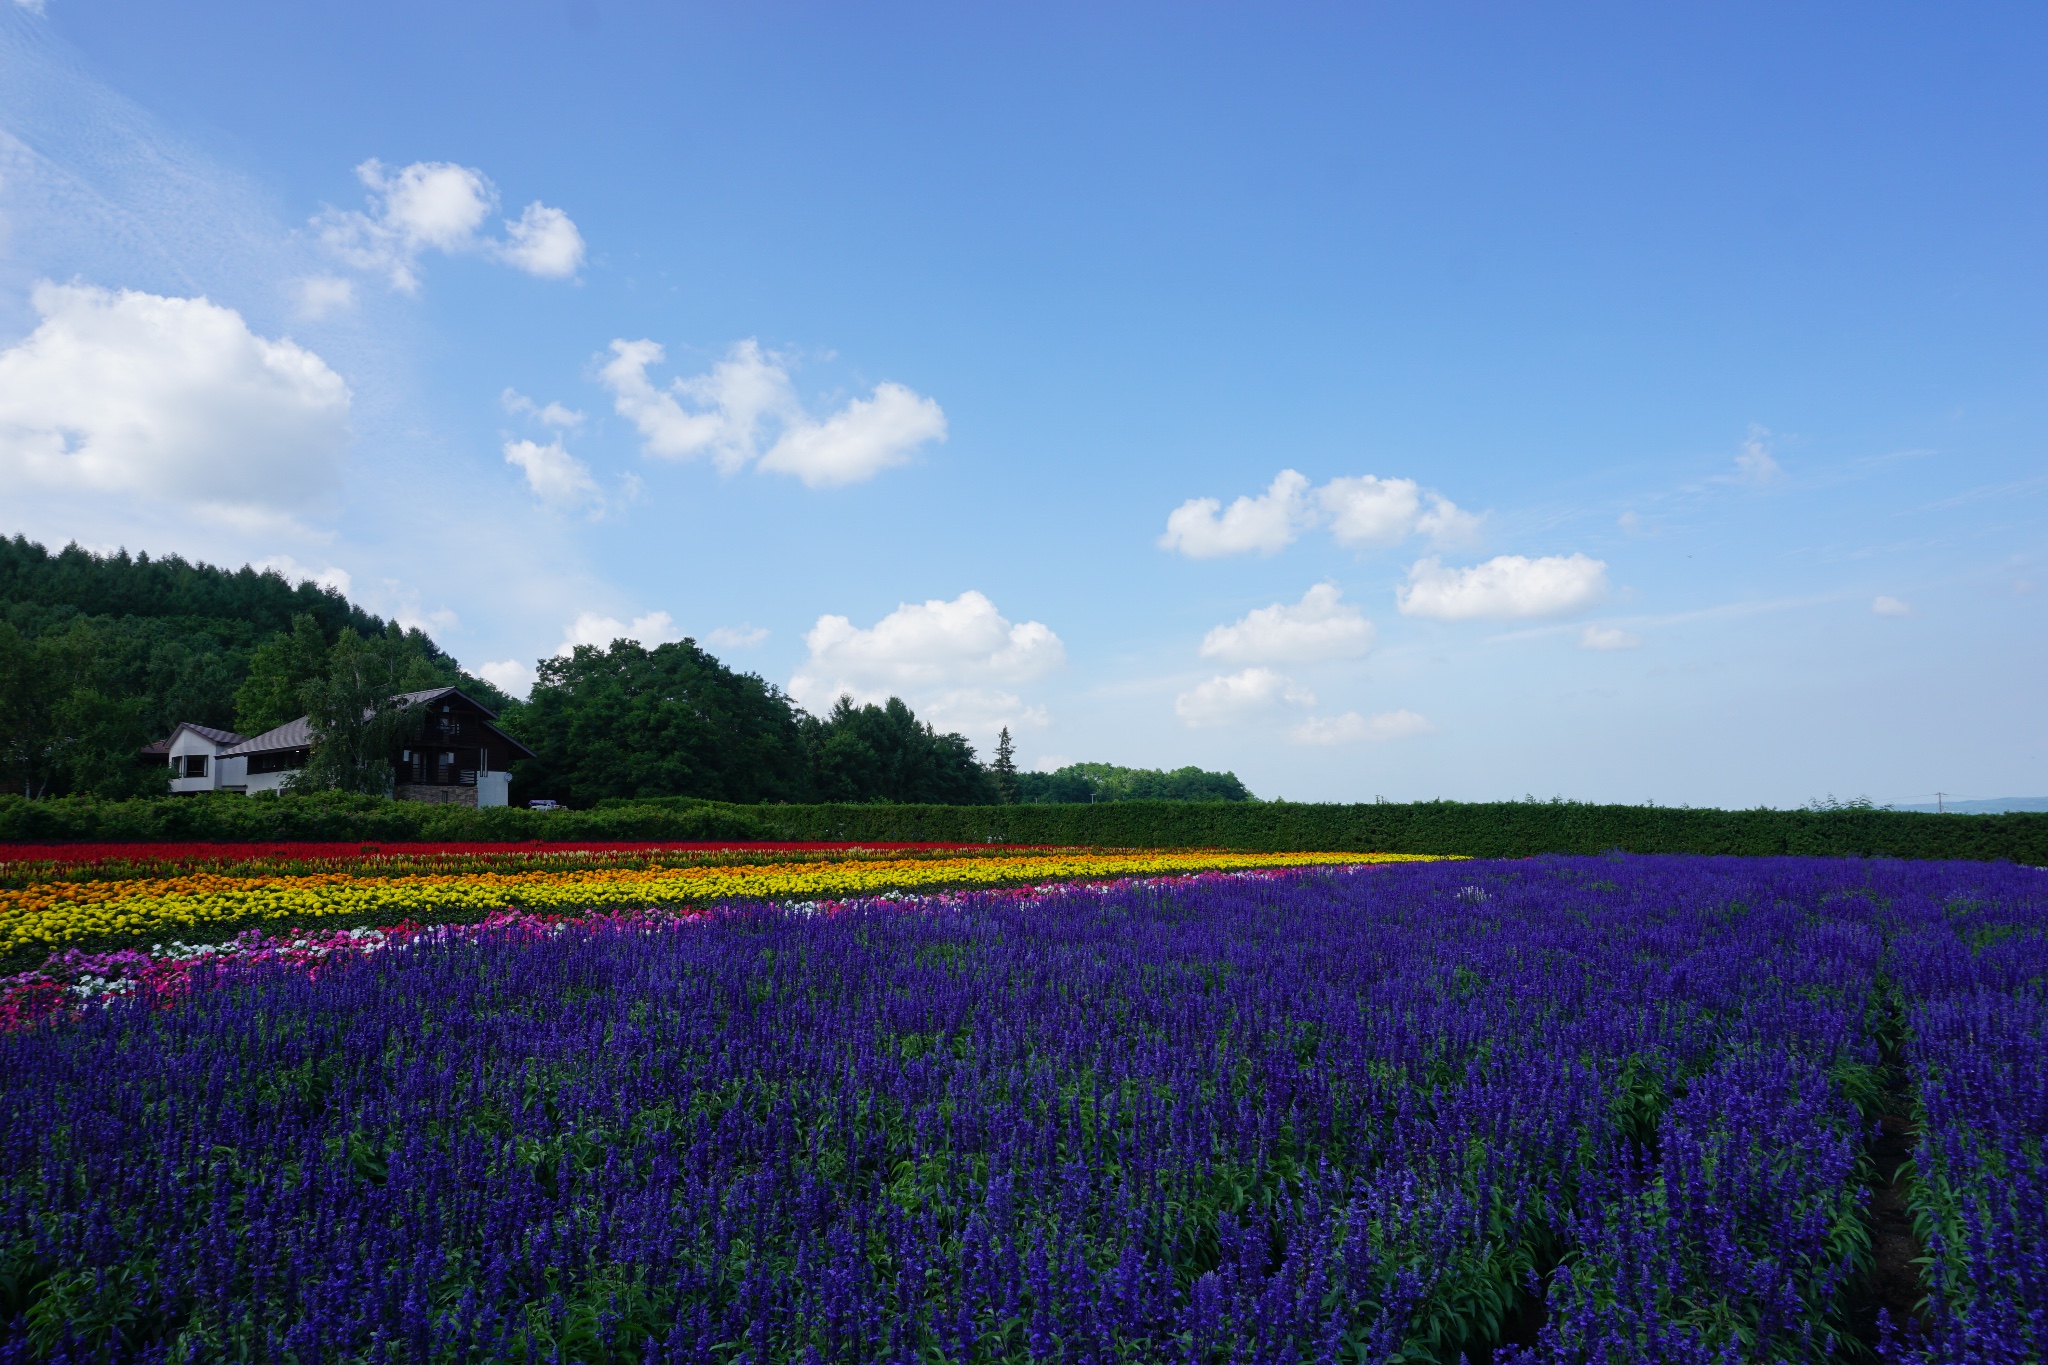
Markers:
point(1559, 1110)
point(55, 896)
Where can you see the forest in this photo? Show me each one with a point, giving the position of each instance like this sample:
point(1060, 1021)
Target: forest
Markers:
point(102, 654)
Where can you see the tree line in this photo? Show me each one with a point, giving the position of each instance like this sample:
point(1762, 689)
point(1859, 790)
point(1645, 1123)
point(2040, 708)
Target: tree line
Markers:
point(102, 654)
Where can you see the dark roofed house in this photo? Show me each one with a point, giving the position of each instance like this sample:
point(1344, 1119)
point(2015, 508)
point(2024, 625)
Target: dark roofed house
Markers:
point(459, 757)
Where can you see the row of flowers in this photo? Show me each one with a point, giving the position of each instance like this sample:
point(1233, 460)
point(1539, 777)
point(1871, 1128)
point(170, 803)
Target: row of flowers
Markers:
point(52, 915)
point(27, 864)
point(74, 980)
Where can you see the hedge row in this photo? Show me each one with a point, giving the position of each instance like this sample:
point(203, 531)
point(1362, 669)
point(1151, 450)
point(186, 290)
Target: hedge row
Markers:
point(1507, 829)
point(1492, 830)
point(330, 815)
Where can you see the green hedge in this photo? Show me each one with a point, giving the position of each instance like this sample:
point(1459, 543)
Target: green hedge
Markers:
point(335, 816)
point(1497, 830)
point(1506, 829)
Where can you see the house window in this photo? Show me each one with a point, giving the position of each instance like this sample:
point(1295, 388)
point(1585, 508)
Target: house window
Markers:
point(195, 765)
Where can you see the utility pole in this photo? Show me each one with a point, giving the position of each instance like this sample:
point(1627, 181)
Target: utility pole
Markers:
point(1939, 807)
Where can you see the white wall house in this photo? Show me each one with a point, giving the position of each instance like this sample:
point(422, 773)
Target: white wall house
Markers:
point(458, 755)
point(270, 760)
point(198, 761)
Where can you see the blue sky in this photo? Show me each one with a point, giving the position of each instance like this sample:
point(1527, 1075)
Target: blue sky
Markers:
point(1619, 402)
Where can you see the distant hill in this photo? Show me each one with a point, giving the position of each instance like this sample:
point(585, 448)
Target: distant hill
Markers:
point(1999, 805)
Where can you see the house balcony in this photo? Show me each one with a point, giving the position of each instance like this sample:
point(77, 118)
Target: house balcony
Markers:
point(429, 768)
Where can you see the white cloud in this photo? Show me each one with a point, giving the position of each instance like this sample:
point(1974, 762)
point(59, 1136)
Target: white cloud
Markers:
point(431, 203)
point(590, 628)
point(1369, 511)
point(1607, 637)
point(979, 712)
point(1267, 523)
point(32, 6)
point(1352, 728)
point(1445, 523)
point(727, 414)
point(738, 637)
point(295, 572)
point(322, 296)
point(1318, 627)
point(553, 415)
point(859, 441)
point(1233, 698)
point(169, 399)
point(728, 405)
point(543, 242)
point(1891, 606)
point(951, 658)
point(555, 476)
point(427, 205)
point(1360, 511)
point(1754, 464)
point(1504, 587)
point(440, 206)
point(509, 676)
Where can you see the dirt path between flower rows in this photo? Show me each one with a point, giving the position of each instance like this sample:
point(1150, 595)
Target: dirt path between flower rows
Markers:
point(1896, 1285)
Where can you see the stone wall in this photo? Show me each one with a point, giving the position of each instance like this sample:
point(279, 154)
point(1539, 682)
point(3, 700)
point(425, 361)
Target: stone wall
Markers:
point(435, 794)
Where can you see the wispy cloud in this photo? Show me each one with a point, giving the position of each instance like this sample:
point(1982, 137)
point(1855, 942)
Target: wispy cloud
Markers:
point(1234, 698)
point(440, 206)
point(745, 411)
point(1353, 728)
point(1608, 638)
point(551, 415)
point(737, 637)
point(2015, 488)
point(555, 476)
point(1754, 463)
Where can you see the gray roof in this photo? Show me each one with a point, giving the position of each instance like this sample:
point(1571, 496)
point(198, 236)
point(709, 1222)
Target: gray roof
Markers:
point(415, 698)
point(204, 732)
point(293, 734)
point(436, 693)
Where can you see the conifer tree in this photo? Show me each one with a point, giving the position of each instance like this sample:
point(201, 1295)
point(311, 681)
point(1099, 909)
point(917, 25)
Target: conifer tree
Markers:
point(1004, 769)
